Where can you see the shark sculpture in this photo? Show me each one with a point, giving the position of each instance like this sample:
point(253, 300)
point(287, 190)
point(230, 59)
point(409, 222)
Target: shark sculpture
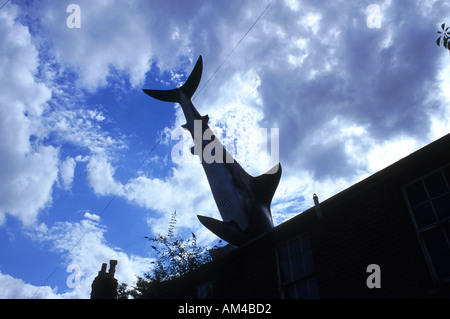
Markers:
point(243, 200)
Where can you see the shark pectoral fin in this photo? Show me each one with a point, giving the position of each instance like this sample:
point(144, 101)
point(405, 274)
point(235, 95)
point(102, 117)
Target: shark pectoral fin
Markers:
point(265, 185)
point(227, 231)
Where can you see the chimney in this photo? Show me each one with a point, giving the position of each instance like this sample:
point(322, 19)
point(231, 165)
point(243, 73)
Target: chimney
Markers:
point(318, 209)
point(105, 285)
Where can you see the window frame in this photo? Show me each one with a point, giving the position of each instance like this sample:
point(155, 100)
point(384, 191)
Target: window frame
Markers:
point(205, 290)
point(306, 278)
point(439, 223)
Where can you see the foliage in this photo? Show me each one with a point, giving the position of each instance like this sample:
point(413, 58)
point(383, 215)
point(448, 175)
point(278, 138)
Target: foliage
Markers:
point(175, 257)
point(444, 36)
point(123, 291)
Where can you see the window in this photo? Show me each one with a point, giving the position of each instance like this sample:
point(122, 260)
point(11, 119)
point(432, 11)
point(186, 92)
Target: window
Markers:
point(428, 200)
point(296, 269)
point(205, 290)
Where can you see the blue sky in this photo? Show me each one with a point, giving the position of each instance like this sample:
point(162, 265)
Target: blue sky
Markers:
point(351, 89)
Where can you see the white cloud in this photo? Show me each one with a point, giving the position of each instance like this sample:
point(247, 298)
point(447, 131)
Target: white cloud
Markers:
point(387, 153)
point(28, 169)
point(249, 92)
point(440, 119)
point(185, 190)
point(27, 182)
point(101, 175)
point(14, 288)
point(67, 170)
point(327, 102)
point(235, 120)
point(85, 246)
point(236, 113)
point(100, 46)
point(80, 126)
point(341, 94)
point(92, 217)
point(39, 112)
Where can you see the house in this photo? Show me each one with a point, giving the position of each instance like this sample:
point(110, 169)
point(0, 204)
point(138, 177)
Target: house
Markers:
point(387, 236)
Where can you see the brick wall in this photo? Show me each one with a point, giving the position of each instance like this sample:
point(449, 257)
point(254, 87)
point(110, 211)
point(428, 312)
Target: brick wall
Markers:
point(371, 228)
point(369, 223)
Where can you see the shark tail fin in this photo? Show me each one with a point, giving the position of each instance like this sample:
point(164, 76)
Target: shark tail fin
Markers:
point(164, 95)
point(265, 185)
point(188, 87)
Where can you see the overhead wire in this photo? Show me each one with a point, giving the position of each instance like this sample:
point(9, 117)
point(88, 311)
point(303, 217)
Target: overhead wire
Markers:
point(4, 4)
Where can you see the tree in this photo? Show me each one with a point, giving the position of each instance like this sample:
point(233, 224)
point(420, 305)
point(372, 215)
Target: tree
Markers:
point(444, 36)
point(175, 257)
point(123, 291)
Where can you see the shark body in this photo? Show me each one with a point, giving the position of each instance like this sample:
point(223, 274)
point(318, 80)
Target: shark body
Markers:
point(243, 201)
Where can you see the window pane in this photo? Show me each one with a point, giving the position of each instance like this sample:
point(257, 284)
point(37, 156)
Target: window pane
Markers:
point(309, 263)
point(446, 171)
point(285, 272)
point(298, 270)
point(306, 243)
point(302, 289)
point(435, 184)
point(442, 206)
point(205, 290)
point(314, 291)
point(289, 292)
point(283, 255)
point(295, 263)
point(434, 239)
point(423, 214)
point(447, 231)
point(441, 262)
point(294, 249)
point(416, 193)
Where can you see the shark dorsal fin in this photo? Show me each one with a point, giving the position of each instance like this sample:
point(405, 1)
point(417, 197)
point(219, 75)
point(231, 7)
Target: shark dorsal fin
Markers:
point(265, 185)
